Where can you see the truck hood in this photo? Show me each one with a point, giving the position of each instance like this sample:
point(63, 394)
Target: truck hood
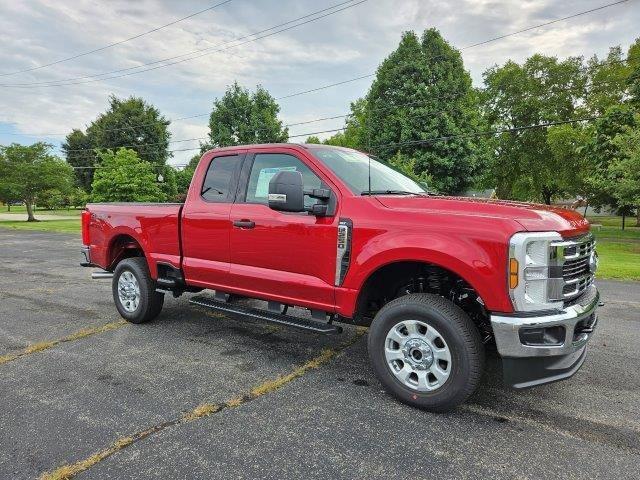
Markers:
point(532, 217)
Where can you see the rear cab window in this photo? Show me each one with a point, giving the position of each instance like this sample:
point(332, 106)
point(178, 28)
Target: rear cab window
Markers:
point(220, 181)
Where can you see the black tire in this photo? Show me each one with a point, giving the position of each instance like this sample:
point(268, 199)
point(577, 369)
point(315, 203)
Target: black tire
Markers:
point(457, 330)
point(150, 302)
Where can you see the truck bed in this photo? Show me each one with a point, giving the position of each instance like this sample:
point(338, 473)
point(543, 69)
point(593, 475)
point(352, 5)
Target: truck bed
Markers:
point(154, 226)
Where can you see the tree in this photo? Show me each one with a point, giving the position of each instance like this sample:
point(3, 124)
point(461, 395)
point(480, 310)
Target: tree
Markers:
point(167, 181)
point(27, 171)
point(77, 197)
point(354, 133)
point(407, 165)
point(8, 193)
point(133, 124)
point(624, 172)
point(542, 89)
point(313, 139)
point(601, 150)
point(123, 177)
point(422, 91)
point(569, 157)
point(607, 81)
point(633, 80)
point(608, 161)
point(183, 181)
point(79, 153)
point(241, 117)
point(130, 123)
point(50, 199)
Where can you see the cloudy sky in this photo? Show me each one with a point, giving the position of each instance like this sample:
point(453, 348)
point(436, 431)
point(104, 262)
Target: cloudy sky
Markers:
point(341, 46)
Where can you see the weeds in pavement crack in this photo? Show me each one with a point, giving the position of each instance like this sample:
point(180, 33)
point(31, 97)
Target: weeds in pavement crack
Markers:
point(42, 346)
point(203, 410)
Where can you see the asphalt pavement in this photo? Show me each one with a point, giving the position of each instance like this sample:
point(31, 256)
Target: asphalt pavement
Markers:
point(198, 395)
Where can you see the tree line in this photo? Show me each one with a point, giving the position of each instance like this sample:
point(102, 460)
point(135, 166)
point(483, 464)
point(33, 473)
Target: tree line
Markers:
point(421, 114)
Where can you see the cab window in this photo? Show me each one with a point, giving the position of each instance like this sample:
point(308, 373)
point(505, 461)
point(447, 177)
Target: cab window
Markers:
point(266, 165)
point(219, 182)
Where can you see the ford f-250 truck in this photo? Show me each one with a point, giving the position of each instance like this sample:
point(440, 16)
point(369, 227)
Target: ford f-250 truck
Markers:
point(437, 279)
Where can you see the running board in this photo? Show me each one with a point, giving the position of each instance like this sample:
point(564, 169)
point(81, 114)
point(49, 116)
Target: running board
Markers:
point(265, 316)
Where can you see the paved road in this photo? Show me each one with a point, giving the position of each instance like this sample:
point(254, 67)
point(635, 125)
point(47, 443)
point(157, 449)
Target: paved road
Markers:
point(118, 402)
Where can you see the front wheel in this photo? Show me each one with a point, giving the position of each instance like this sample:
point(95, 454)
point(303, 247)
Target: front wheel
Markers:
point(426, 351)
point(134, 291)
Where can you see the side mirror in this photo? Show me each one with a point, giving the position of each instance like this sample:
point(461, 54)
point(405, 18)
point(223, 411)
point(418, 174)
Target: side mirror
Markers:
point(286, 192)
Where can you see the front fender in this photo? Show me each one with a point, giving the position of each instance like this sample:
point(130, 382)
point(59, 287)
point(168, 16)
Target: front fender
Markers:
point(480, 262)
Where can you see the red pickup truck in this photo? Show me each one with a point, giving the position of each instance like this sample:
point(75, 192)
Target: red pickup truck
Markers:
point(331, 230)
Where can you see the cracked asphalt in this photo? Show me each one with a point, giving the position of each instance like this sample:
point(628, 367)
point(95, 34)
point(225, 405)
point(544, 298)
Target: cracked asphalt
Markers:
point(66, 403)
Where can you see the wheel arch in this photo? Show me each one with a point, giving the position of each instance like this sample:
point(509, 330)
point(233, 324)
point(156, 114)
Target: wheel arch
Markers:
point(121, 246)
point(401, 277)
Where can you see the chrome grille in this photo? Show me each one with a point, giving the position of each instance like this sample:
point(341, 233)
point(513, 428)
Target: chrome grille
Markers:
point(575, 268)
point(575, 258)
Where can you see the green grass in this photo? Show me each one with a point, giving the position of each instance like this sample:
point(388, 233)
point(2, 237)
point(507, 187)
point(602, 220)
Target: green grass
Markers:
point(620, 260)
point(61, 226)
point(613, 233)
point(614, 221)
point(22, 210)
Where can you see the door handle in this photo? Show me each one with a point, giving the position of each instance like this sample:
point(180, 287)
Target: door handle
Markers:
point(244, 223)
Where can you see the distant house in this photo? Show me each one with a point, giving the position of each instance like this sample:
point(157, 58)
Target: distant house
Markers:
point(579, 203)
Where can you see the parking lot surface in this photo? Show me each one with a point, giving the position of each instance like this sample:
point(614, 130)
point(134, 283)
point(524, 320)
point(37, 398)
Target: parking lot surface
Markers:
point(197, 395)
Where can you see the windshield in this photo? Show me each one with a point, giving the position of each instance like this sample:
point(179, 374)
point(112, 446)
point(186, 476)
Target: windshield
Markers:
point(353, 169)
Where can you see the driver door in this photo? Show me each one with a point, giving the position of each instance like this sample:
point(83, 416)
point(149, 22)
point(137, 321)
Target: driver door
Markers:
point(285, 256)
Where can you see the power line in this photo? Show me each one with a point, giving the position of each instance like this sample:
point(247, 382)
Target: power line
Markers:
point(202, 52)
point(489, 132)
point(384, 107)
point(365, 76)
point(423, 141)
point(105, 47)
point(55, 83)
point(450, 96)
point(579, 14)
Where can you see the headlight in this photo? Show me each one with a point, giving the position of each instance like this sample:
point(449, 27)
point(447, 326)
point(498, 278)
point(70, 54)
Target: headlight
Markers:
point(533, 276)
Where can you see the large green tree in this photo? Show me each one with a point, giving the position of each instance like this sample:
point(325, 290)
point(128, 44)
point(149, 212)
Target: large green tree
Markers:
point(241, 117)
point(633, 80)
point(134, 124)
point(124, 177)
point(607, 81)
point(354, 133)
point(542, 89)
point(130, 123)
point(27, 171)
point(567, 146)
point(623, 173)
point(601, 149)
point(423, 92)
point(78, 149)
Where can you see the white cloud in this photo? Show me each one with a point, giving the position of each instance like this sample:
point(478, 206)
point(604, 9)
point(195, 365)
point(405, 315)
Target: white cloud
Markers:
point(348, 44)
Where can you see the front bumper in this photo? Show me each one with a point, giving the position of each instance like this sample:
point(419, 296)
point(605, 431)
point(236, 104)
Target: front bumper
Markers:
point(525, 364)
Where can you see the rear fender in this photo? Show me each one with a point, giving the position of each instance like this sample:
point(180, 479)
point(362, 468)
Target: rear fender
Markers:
point(116, 252)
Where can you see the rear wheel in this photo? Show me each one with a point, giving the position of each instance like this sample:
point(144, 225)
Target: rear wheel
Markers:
point(426, 351)
point(134, 291)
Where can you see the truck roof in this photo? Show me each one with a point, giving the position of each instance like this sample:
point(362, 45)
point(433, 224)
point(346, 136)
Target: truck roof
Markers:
point(307, 146)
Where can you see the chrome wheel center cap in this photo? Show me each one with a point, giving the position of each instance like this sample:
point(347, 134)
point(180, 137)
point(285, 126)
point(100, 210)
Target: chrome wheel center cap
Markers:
point(418, 353)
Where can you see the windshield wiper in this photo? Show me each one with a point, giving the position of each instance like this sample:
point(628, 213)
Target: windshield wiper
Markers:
point(393, 192)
